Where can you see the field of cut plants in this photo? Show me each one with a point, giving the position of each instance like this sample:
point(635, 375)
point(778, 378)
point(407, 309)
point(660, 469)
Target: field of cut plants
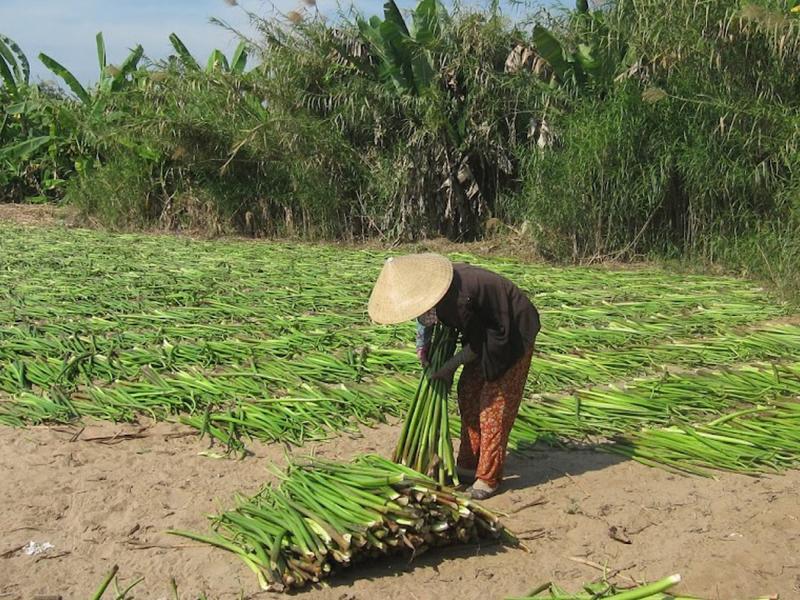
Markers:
point(230, 357)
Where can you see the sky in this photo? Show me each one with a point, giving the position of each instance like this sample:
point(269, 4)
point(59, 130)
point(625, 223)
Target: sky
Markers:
point(66, 29)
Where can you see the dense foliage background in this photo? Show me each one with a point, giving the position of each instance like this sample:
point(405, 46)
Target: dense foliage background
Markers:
point(639, 128)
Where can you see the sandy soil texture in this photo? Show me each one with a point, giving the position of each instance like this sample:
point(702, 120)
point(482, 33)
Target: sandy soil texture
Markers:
point(36, 214)
point(106, 496)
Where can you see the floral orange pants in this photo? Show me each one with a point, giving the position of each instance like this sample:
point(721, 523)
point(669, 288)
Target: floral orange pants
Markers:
point(488, 410)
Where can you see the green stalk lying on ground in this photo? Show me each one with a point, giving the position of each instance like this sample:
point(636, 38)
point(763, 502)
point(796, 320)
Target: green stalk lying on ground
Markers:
point(753, 440)
point(324, 516)
point(603, 590)
point(424, 442)
point(657, 401)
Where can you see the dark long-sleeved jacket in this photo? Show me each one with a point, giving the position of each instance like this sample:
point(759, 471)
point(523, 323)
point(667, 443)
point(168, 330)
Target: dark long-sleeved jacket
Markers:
point(496, 318)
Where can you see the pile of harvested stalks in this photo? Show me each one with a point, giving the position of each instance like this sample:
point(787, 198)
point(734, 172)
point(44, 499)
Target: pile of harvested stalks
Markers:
point(326, 515)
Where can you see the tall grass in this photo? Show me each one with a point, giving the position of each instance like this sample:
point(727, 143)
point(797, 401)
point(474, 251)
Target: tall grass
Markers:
point(692, 153)
point(322, 139)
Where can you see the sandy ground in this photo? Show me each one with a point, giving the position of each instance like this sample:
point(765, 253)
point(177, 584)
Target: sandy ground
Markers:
point(102, 501)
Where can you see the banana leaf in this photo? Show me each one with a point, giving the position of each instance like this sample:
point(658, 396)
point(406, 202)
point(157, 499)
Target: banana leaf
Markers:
point(550, 48)
point(184, 55)
point(101, 52)
point(128, 66)
point(398, 65)
point(16, 58)
point(60, 70)
point(20, 108)
point(217, 60)
point(239, 59)
point(7, 76)
point(24, 149)
point(392, 14)
point(427, 28)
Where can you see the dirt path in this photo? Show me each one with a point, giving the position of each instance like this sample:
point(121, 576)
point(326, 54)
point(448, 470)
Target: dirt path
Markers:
point(102, 503)
point(44, 215)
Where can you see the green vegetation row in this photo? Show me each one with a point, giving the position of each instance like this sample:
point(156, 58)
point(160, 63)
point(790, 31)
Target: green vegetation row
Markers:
point(758, 439)
point(271, 342)
point(663, 400)
point(116, 388)
point(605, 132)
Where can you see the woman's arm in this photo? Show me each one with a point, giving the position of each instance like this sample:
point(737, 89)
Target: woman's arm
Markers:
point(424, 335)
point(448, 370)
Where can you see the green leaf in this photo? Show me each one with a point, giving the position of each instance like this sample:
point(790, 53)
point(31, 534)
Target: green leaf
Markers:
point(68, 77)
point(131, 63)
point(101, 53)
point(128, 66)
point(7, 76)
point(424, 73)
point(21, 67)
point(398, 57)
point(107, 80)
point(184, 55)
point(392, 14)
point(148, 153)
point(217, 60)
point(370, 31)
point(426, 22)
point(20, 108)
point(24, 149)
point(239, 59)
point(255, 106)
point(550, 49)
point(402, 60)
point(586, 58)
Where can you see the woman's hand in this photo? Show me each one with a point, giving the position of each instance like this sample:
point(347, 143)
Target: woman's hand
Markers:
point(445, 375)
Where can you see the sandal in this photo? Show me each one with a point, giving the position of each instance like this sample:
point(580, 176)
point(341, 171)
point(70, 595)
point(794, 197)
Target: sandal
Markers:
point(478, 494)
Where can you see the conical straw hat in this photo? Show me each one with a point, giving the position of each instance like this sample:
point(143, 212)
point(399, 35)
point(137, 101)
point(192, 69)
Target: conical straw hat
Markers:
point(408, 286)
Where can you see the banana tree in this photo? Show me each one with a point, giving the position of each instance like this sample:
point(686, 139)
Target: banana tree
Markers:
point(405, 54)
point(112, 78)
point(408, 59)
point(595, 58)
point(20, 137)
point(43, 140)
point(15, 71)
point(217, 61)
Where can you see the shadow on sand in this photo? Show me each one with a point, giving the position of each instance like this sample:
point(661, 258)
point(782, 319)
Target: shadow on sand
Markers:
point(541, 464)
point(394, 566)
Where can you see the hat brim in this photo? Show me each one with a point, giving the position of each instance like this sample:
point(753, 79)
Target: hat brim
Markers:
point(408, 286)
